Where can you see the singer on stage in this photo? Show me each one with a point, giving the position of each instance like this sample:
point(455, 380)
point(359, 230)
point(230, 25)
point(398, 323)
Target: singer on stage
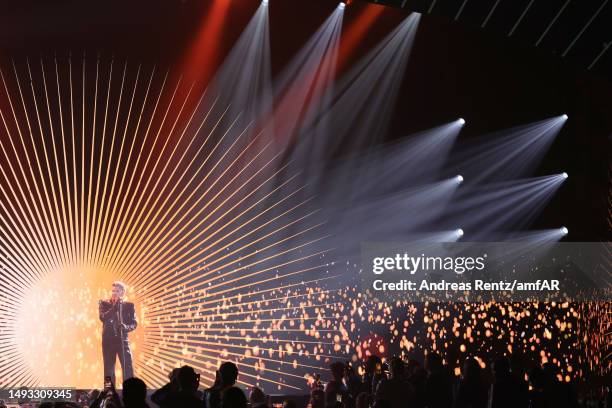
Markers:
point(118, 319)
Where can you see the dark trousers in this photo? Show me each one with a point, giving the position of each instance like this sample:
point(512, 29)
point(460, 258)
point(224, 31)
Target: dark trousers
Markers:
point(111, 349)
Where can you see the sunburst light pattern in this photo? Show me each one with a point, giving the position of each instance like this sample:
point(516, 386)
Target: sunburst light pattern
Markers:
point(113, 170)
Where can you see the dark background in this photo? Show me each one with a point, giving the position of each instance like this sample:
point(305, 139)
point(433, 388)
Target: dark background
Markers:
point(455, 70)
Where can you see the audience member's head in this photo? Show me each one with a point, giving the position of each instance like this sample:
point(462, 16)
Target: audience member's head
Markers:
point(228, 374)
point(289, 403)
point(372, 363)
point(257, 398)
point(517, 364)
point(217, 382)
point(109, 403)
point(550, 371)
point(472, 372)
point(93, 394)
point(382, 404)
point(188, 380)
point(316, 381)
point(173, 375)
point(433, 362)
point(337, 370)
point(362, 400)
point(134, 393)
point(397, 367)
point(452, 357)
point(412, 367)
point(536, 378)
point(501, 367)
point(233, 397)
point(317, 398)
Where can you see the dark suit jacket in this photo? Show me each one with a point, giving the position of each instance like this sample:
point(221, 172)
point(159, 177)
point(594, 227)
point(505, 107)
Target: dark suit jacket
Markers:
point(109, 315)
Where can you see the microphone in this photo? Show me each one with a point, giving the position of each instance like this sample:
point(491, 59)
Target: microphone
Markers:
point(120, 310)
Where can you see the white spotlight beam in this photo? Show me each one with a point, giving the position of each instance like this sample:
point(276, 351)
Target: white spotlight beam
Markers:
point(311, 145)
point(533, 237)
point(366, 93)
point(419, 157)
point(501, 206)
point(393, 216)
point(308, 73)
point(507, 154)
point(243, 81)
point(372, 83)
point(415, 160)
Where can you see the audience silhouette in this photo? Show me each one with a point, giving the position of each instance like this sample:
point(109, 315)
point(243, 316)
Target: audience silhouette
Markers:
point(225, 378)
point(508, 389)
point(257, 398)
point(396, 390)
point(472, 391)
point(182, 391)
point(336, 390)
point(134, 393)
point(396, 383)
point(439, 386)
point(233, 397)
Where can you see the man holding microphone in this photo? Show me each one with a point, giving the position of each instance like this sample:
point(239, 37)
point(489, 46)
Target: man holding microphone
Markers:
point(118, 319)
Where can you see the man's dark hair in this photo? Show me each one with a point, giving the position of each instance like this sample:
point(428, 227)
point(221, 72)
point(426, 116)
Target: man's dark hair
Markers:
point(228, 372)
point(134, 392)
point(536, 377)
point(317, 398)
point(433, 361)
point(471, 370)
point(501, 366)
point(397, 367)
point(289, 403)
point(188, 379)
point(233, 397)
point(337, 369)
point(257, 396)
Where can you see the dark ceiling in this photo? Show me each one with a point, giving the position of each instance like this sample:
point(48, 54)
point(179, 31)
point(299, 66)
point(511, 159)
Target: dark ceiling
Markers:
point(579, 31)
point(533, 59)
